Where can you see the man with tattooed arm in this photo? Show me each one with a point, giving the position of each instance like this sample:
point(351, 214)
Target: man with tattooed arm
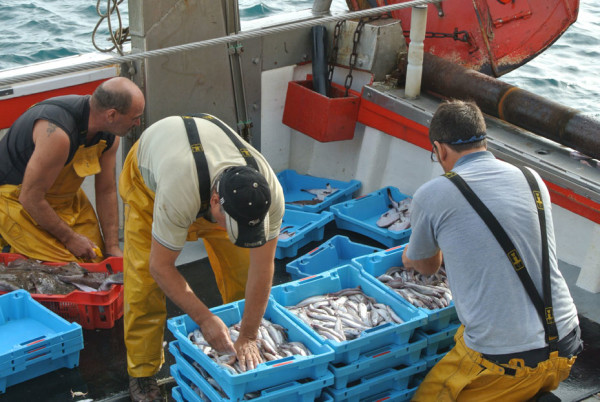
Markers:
point(44, 158)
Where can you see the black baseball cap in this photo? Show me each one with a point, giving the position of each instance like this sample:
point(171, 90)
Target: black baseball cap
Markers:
point(246, 198)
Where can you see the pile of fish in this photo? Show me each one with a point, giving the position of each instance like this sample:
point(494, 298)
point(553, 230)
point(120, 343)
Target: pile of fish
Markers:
point(272, 344)
point(397, 217)
point(38, 278)
point(343, 315)
point(319, 193)
point(426, 291)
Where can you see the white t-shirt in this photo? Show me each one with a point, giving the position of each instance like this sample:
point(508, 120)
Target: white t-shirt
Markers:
point(168, 168)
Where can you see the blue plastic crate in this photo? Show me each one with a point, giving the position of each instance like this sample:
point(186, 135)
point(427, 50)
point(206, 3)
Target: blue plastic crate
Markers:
point(189, 379)
point(294, 183)
point(440, 341)
point(34, 340)
point(267, 374)
point(433, 359)
point(347, 276)
point(387, 380)
point(377, 360)
point(306, 226)
point(378, 263)
point(361, 214)
point(177, 394)
point(393, 395)
point(335, 252)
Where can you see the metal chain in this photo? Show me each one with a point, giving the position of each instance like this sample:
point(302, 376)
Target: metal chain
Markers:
point(354, 54)
point(334, 51)
point(461, 36)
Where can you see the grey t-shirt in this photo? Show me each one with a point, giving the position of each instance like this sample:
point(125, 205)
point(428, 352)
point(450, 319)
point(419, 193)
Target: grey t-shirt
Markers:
point(490, 299)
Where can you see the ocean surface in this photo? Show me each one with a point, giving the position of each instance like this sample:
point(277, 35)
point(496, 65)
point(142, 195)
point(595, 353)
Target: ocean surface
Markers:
point(38, 30)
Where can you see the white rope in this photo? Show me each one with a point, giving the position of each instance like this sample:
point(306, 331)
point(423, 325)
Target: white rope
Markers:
point(211, 42)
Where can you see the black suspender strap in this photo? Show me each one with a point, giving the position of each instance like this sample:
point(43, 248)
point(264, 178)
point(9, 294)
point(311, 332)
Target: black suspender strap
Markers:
point(552, 331)
point(544, 307)
point(200, 157)
point(201, 164)
point(250, 161)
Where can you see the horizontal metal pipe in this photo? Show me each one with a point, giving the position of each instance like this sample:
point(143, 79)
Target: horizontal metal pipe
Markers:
point(539, 115)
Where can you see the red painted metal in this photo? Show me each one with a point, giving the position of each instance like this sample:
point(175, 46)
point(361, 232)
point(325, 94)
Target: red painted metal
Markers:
point(574, 202)
point(12, 108)
point(372, 115)
point(376, 116)
point(503, 35)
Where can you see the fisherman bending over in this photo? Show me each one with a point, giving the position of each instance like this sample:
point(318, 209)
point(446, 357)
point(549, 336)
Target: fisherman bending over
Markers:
point(509, 347)
point(44, 158)
point(188, 178)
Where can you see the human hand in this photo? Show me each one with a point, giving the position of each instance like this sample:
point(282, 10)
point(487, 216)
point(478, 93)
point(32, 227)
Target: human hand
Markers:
point(216, 334)
point(247, 353)
point(113, 252)
point(81, 247)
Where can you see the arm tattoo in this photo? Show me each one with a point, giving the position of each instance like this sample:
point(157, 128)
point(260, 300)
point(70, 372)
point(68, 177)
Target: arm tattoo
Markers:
point(51, 128)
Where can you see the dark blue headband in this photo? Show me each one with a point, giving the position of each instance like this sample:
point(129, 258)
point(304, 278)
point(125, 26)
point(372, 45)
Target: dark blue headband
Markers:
point(474, 138)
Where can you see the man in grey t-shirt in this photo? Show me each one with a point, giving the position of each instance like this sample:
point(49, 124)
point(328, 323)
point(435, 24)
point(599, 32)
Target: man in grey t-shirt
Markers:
point(500, 322)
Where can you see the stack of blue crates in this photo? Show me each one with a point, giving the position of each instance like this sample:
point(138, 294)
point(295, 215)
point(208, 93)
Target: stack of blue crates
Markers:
point(295, 184)
point(307, 221)
point(305, 226)
point(361, 215)
point(441, 324)
point(335, 252)
point(383, 359)
point(294, 378)
point(34, 340)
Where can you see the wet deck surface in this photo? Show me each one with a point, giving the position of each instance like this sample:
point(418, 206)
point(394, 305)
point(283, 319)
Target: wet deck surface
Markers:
point(102, 373)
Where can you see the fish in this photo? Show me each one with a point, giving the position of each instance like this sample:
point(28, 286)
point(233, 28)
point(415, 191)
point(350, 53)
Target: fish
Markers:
point(285, 233)
point(425, 291)
point(321, 193)
point(397, 217)
point(343, 315)
point(314, 201)
point(38, 278)
point(272, 342)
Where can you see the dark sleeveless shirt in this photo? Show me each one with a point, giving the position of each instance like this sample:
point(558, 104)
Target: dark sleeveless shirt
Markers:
point(70, 113)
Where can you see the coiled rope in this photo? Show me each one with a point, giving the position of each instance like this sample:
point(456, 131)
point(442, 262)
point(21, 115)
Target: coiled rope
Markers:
point(118, 36)
point(212, 42)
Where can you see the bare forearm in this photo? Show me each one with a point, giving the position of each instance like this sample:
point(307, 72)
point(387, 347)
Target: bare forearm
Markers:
point(108, 216)
point(45, 216)
point(258, 287)
point(426, 266)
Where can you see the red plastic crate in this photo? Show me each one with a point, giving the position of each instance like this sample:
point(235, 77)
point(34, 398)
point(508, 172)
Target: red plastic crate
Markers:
point(320, 117)
point(91, 310)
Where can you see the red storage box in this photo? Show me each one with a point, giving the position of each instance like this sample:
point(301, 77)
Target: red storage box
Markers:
point(91, 310)
point(320, 117)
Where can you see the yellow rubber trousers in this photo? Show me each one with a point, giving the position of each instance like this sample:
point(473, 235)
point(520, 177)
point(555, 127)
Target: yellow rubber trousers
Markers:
point(144, 302)
point(464, 375)
point(25, 236)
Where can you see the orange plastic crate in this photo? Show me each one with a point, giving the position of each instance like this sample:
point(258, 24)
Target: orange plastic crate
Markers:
point(91, 310)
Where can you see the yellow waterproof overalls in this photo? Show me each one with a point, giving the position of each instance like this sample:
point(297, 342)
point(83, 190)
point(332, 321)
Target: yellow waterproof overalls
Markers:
point(464, 375)
point(68, 200)
point(145, 309)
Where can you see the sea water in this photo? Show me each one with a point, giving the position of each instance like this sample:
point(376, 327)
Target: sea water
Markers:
point(38, 30)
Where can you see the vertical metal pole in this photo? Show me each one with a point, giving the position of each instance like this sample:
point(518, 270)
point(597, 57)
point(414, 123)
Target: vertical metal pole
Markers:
point(414, 69)
point(321, 7)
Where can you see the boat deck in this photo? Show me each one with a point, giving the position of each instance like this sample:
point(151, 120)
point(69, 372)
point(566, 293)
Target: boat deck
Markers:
point(102, 374)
